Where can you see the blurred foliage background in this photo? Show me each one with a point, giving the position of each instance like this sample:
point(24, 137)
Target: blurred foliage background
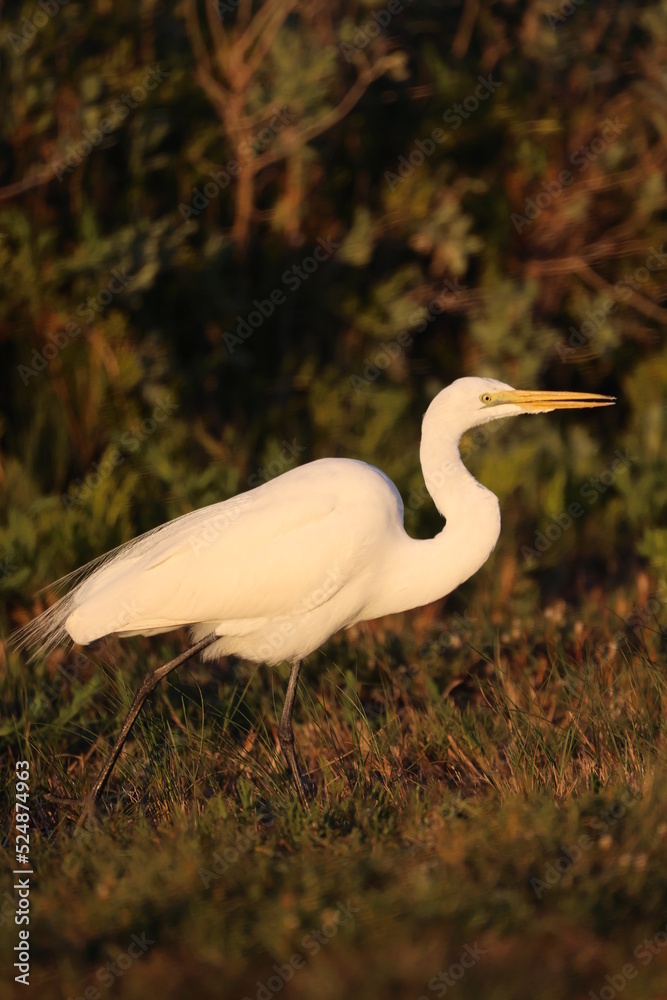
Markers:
point(426, 189)
point(236, 236)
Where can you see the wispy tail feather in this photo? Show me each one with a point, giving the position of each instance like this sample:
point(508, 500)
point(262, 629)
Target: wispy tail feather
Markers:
point(48, 631)
point(45, 632)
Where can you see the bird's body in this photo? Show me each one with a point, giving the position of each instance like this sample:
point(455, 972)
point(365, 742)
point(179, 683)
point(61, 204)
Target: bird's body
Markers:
point(276, 571)
point(272, 573)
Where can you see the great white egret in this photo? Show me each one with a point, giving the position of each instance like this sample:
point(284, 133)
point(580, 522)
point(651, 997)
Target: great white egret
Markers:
point(271, 573)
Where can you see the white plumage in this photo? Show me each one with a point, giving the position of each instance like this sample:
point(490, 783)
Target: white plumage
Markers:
point(277, 570)
point(272, 573)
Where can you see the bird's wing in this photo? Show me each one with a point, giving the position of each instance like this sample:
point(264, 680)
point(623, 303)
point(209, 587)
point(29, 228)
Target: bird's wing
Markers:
point(282, 551)
point(278, 550)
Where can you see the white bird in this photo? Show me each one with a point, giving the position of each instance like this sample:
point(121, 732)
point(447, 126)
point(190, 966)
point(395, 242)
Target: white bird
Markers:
point(270, 574)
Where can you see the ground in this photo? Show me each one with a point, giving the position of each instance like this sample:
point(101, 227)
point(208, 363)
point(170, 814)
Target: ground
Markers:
point(490, 817)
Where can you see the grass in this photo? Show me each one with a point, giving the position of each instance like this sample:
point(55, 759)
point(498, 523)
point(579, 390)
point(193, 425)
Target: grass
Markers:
point(490, 818)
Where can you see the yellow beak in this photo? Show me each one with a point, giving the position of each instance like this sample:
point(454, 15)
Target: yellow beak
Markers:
point(539, 401)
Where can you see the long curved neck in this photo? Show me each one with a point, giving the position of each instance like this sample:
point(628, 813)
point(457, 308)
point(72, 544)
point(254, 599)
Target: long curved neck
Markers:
point(447, 480)
point(422, 571)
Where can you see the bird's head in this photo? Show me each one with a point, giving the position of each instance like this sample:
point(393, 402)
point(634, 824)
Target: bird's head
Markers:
point(469, 402)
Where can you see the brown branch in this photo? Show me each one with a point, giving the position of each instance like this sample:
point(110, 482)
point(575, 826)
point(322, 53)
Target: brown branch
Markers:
point(575, 265)
point(11, 190)
point(218, 33)
point(640, 302)
point(195, 35)
point(353, 96)
point(243, 15)
point(217, 92)
point(465, 28)
point(266, 40)
point(262, 115)
point(261, 18)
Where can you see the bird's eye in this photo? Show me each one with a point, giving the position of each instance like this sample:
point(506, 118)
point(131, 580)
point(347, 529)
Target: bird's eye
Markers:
point(486, 397)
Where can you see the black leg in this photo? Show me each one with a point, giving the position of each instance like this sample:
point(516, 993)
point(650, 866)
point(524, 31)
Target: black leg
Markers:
point(286, 734)
point(148, 684)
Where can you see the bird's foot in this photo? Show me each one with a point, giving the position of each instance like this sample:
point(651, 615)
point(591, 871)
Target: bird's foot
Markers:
point(305, 787)
point(88, 815)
